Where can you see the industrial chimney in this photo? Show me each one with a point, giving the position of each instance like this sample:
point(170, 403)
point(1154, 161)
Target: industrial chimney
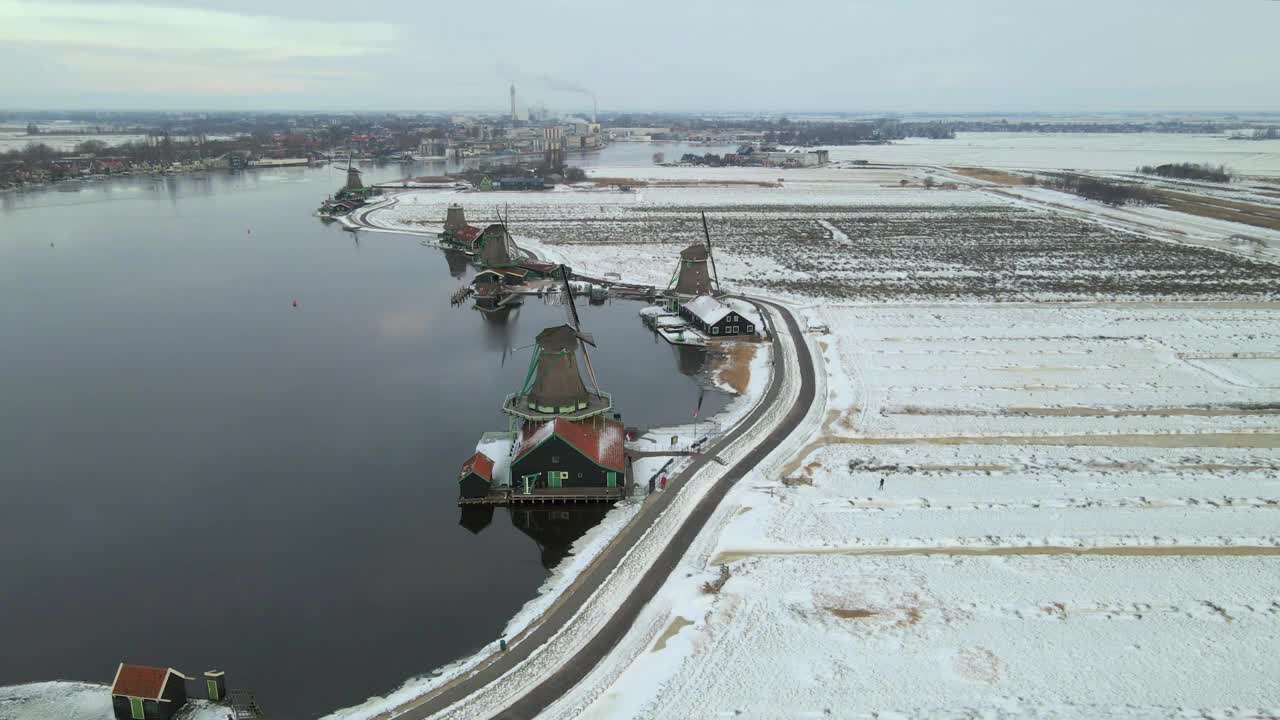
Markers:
point(513, 103)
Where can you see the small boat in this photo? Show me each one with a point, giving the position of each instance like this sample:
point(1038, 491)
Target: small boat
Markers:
point(350, 228)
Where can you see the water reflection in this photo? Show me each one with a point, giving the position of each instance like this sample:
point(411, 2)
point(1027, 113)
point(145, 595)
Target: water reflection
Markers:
point(476, 517)
point(556, 529)
point(458, 262)
point(690, 359)
point(499, 328)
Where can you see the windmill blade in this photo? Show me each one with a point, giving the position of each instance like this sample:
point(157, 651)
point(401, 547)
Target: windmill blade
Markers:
point(570, 308)
point(715, 276)
point(584, 339)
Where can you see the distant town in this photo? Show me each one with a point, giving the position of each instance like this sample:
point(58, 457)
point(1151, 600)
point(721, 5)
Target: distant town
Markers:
point(39, 148)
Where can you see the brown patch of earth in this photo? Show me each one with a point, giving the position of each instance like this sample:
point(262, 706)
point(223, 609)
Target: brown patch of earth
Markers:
point(999, 177)
point(735, 364)
point(678, 624)
point(853, 613)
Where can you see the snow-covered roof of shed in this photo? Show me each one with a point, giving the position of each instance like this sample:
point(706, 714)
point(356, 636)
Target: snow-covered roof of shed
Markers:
point(708, 309)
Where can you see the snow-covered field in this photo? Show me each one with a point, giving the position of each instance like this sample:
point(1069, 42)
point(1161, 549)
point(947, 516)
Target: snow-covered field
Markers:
point(1078, 520)
point(61, 700)
point(856, 234)
point(1120, 152)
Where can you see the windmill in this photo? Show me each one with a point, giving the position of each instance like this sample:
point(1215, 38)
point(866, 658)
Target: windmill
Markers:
point(696, 273)
point(353, 177)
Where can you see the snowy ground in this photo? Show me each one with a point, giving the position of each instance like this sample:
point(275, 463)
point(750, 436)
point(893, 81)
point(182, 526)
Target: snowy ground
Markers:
point(856, 234)
point(1077, 521)
point(61, 700)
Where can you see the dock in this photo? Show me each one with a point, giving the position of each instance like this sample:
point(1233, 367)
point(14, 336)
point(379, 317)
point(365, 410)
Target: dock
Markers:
point(547, 496)
point(682, 336)
point(673, 328)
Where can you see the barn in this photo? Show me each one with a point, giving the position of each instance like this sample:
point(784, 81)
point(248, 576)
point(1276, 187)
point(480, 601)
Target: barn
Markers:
point(715, 319)
point(476, 476)
point(142, 692)
point(565, 454)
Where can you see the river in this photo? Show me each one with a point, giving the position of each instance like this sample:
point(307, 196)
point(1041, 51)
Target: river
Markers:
point(196, 473)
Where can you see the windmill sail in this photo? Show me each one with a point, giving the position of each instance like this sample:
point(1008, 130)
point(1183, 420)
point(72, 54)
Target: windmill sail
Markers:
point(584, 339)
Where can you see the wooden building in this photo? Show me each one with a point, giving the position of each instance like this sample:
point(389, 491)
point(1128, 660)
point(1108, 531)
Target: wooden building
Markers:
point(476, 478)
point(562, 453)
point(715, 319)
point(142, 692)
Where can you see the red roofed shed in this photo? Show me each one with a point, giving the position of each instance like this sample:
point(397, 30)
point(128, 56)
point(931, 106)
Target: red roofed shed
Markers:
point(142, 692)
point(476, 476)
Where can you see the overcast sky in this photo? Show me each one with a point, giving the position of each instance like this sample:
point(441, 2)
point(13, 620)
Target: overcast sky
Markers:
point(797, 55)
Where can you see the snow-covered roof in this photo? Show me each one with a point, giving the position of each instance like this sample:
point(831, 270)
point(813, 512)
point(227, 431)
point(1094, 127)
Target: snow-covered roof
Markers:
point(604, 445)
point(497, 447)
point(707, 309)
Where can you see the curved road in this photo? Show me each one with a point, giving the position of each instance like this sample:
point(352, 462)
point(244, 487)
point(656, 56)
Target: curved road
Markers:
point(572, 600)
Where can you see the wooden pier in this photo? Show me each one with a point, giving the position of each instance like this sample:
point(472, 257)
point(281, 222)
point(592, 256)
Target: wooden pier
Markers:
point(548, 496)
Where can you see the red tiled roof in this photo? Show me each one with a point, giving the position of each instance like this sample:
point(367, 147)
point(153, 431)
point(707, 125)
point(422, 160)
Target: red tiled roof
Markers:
point(469, 233)
point(140, 681)
point(603, 446)
point(480, 464)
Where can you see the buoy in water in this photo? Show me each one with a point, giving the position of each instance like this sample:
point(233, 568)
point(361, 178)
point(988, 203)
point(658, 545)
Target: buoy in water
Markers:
point(295, 303)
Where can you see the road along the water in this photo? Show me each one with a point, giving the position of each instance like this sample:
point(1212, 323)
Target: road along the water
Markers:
point(570, 672)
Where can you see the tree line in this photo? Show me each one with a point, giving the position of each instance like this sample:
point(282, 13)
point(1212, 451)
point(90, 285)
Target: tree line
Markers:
point(1189, 171)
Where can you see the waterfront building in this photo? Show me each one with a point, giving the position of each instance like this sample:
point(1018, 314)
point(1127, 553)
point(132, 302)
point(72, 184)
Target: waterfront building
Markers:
point(715, 319)
point(142, 692)
point(476, 477)
point(562, 454)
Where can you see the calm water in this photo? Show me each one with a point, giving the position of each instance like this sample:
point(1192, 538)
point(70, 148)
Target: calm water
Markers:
point(195, 473)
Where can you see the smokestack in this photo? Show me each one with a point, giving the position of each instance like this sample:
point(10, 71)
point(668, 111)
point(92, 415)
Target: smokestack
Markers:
point(593, 108)
point(513, 102)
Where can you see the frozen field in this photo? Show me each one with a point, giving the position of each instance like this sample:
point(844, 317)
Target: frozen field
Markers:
point(856, 235)
point(1121, 152)
point(1078, 520)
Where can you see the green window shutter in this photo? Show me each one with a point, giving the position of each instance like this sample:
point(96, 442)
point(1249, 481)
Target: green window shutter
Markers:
point(612, 479)
point(553, 479)
point(135, 707)
point(213, 690)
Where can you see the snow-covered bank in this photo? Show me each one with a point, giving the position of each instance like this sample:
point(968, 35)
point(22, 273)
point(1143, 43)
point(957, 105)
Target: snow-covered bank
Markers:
point(64, 700)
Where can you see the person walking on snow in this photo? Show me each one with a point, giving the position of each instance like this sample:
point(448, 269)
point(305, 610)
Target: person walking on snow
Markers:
point(881, 483)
